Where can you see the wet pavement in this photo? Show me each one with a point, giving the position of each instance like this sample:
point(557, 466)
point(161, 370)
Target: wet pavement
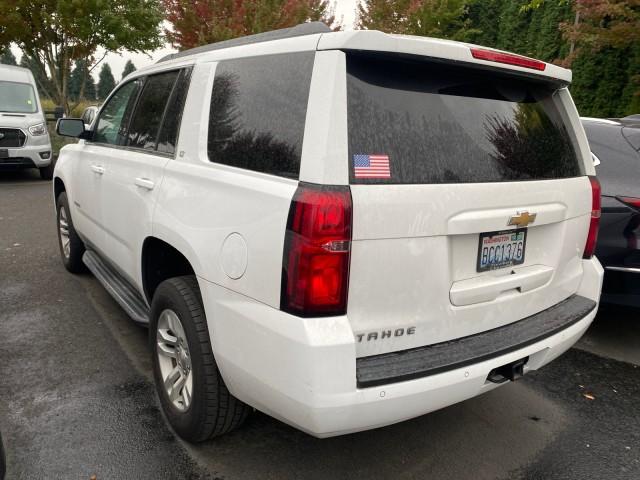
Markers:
point(77, 399)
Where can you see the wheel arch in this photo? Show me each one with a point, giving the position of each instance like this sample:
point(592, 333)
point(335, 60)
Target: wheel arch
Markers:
point(58, 187)
point(160, 261)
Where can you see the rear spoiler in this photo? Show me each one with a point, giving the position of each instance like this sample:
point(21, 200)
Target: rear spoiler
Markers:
point(445, 51)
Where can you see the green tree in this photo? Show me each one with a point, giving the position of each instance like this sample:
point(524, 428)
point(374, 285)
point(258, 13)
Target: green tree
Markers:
point(7, 57)
point(129, 67)
point(81, 84)
point(43, 82)
point(483, 15)
point(599, 39)
point(434, 18)
point(55, 33)
point(106, 82)
point(199, 22)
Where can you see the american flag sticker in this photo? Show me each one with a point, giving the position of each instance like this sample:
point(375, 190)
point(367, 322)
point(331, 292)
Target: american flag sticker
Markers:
point(371, 166)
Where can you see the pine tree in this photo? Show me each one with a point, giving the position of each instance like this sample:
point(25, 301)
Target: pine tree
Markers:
point(106, 82)
point(483, 16)
point(630, 100)
point(129, 67)
point(78, 75)
point(7, 57)
point(43, 82)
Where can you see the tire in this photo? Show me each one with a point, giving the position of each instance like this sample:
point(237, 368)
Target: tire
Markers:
point(46, 173)
point(202, 407)
point(71, 258)
point(3, 460)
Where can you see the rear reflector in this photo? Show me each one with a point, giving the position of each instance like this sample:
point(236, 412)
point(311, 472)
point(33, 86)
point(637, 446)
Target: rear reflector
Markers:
point(594, 225)
point(508, 58)
point(315, 262)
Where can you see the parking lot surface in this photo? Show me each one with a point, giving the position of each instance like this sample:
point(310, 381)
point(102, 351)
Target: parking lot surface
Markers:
point(77, 398)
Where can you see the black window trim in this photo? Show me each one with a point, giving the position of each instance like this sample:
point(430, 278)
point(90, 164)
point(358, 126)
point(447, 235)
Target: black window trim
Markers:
point(183, 79)
point(143, 78)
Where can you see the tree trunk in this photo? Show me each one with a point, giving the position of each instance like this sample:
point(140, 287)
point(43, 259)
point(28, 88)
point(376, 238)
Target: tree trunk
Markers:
point(572, 45)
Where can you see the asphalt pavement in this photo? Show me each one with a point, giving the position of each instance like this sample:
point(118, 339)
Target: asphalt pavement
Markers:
point(77, 398)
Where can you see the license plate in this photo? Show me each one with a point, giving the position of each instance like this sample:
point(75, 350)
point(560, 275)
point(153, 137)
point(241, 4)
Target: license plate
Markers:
point(4, 153)
point(501, 249)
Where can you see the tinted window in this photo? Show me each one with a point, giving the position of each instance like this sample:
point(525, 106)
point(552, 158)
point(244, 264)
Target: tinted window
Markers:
point(433, 123)
point(169, 133)
point(619, 164)
point(114, 116)
point(632, 134)
point(143, 132)
point(258, 109)
point(17, 98)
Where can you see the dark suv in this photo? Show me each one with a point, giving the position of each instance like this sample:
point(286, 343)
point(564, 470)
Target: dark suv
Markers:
point(616, 145)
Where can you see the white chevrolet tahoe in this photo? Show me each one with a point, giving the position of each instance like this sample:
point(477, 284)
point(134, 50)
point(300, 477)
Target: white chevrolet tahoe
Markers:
point(24, 138)
point(341, 229)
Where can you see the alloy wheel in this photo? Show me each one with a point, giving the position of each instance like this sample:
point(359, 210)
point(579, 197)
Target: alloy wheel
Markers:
point(174, 360)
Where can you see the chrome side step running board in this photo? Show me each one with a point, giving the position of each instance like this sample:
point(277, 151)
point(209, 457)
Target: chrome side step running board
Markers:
point(118, 287)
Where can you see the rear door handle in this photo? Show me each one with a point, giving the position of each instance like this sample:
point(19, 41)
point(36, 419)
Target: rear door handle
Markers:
point(145, 183)
point(99, 169)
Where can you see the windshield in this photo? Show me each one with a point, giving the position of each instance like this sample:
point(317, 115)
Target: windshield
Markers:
point(420, 122)
point(17, 98)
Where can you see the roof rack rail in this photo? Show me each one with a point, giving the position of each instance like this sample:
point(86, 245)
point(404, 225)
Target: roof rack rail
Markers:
point(300, 30)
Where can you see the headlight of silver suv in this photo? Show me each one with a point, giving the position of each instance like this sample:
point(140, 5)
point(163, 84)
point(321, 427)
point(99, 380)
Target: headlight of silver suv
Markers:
point(39, 129)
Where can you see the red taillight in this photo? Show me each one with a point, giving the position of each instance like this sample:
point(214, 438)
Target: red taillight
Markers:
point(631, 201)
point(508, 58)
point(592, 237)
point(317, 243)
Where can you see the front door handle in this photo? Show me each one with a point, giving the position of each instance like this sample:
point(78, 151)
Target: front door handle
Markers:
point(99, 169)
point(145, 183)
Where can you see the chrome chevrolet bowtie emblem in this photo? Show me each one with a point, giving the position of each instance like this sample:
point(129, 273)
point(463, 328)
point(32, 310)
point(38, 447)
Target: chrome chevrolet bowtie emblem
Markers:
point(522, 219)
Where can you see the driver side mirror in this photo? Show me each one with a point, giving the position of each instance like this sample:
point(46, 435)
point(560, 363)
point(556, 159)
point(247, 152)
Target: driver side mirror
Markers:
point(71, 127)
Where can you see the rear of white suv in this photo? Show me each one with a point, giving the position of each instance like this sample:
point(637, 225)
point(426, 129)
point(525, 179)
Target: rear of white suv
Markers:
point(393, 301)
point(369, 227)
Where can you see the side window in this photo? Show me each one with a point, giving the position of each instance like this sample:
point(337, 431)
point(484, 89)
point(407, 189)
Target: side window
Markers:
point(146, 121)
point(169, 133)
point(114, 118)
point(258, 110)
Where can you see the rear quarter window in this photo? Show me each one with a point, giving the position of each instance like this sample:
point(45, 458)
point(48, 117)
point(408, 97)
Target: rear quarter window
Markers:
point(257, 113)
point(435, 123)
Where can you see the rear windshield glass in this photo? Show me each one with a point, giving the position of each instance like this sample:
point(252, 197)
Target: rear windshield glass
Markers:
point(419, 122)
point(17, 98)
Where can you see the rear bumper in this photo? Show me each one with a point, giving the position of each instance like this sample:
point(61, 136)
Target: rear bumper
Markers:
point(304, 371)
point(441, 357)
